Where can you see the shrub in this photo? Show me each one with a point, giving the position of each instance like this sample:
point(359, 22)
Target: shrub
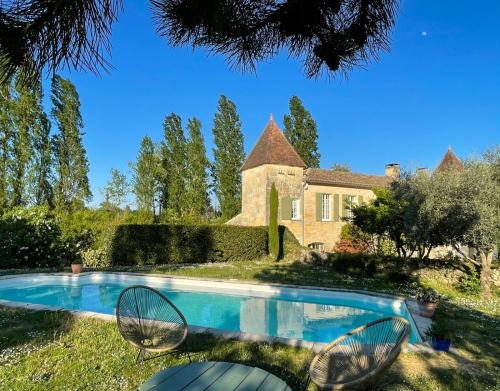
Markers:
point(168, 243)
point(95, 258)
point(273, 234)
point(470, 283)
point(30, 238)
point(352, 240)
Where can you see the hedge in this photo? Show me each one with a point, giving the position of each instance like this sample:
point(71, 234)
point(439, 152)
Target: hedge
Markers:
point(155, 244)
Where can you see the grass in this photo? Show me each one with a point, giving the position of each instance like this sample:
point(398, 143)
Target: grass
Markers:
point(50, 351)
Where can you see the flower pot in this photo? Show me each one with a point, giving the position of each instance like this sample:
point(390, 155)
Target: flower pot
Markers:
point(427, 309)
point(76, 268)
point(441, 345)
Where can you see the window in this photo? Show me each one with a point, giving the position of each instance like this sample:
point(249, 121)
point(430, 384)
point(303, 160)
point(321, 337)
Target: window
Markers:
point(295, 209)
point(351, 201)
point(325, 208)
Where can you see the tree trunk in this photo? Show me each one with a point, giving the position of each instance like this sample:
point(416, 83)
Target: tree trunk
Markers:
point(485, 279)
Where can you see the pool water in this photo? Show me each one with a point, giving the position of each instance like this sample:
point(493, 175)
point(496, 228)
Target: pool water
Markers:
point(306, 314)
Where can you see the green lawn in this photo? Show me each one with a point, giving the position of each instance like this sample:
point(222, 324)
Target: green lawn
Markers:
point(50, 351)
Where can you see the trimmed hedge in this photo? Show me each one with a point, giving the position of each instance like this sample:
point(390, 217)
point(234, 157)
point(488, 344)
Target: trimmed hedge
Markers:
point(156, 244)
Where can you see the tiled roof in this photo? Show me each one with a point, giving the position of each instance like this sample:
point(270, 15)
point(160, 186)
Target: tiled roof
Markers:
point(318, 176)
point(449, 161)
point(272, 148)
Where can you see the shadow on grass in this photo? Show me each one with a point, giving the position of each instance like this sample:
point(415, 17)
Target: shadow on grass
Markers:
point(289, 364)
point(19, 326)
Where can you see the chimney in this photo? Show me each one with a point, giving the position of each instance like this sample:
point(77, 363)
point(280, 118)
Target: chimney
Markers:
point(422, 171)
point(392, 170)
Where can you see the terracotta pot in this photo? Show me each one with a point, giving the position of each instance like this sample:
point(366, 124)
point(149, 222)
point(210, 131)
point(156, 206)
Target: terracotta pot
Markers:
point(427, 309)
point(76, 268)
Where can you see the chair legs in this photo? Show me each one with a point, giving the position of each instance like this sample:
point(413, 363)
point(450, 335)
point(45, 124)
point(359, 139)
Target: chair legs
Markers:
point(308, 381)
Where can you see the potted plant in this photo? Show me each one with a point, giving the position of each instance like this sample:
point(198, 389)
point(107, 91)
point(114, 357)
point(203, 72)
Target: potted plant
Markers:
point(440, 335)
point(427, 301)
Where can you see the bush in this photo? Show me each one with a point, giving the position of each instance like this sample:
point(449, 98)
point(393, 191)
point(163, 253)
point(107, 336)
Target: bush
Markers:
point(95, 258)
point(30, 238)
point(148, 244)
point(470, 283)
point(393, 268)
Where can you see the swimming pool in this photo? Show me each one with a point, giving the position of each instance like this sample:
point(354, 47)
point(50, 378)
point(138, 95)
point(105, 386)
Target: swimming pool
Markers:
point(313, 315)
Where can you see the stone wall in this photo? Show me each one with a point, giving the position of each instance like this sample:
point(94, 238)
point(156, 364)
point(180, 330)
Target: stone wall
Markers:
point(327, 232)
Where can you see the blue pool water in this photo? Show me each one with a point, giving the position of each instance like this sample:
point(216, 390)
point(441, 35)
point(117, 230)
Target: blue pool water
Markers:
point(311, 315)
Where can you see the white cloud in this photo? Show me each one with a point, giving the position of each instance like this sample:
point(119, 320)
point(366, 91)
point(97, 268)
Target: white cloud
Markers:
point(423, 33)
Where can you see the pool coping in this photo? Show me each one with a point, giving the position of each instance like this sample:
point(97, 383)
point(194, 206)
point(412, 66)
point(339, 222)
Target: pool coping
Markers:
point(421, 323)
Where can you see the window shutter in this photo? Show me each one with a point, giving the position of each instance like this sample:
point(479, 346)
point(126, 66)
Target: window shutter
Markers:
point(344, 206)
point(336, 202)
point(319, 204)
point(286, 208)
point(360, 200)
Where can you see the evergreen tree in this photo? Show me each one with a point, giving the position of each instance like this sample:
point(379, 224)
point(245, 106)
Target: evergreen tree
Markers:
point(5, 142)
point(273, 232)
point(197, 165)
point(145, 178)
point(302, 133)
point(71, 166)
point(228, 158)
point(116, 190)
point(174, 164)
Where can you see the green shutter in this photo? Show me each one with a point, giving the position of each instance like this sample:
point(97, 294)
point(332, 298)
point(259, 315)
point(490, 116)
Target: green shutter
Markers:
point(319, 200)
point(286, 208)
point(344, 206)
point(360, 200)
point(336, 202)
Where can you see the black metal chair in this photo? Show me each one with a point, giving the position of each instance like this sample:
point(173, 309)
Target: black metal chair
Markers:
point(358, 359)
point(150, 321)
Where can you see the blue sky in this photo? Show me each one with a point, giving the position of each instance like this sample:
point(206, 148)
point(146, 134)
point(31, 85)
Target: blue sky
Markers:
point(439, 85)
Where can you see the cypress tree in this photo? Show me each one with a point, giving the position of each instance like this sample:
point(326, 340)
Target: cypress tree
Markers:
point(228, 158)
point(145, 178)
point(71, 166)
point(273, 234)
point(174, 164)
point(302, 133)
point(5, 142)
point(197, 165)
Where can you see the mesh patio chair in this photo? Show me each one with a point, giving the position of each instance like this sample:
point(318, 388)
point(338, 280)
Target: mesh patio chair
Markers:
point(150, 321)
point(358, 359)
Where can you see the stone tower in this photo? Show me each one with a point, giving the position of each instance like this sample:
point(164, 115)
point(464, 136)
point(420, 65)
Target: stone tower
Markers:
point(272, 160)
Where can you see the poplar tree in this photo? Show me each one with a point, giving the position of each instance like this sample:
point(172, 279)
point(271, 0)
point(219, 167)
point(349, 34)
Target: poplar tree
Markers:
point(23, 118)
point(5, 142)
point(197, 166)
point(302, 133)
point(41, 190)
point(174, 164)
point(228, 158)
point(71, 166)
point(145, 177)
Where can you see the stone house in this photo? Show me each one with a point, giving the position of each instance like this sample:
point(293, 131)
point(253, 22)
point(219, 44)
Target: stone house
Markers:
point(312, 201)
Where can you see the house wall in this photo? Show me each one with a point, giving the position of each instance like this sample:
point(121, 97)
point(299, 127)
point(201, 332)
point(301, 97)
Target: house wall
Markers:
point(327, 232)
point(256, 187)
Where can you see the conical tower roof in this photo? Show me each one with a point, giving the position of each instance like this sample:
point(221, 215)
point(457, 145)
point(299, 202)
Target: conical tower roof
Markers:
point(272, 147)
point(450, 161)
